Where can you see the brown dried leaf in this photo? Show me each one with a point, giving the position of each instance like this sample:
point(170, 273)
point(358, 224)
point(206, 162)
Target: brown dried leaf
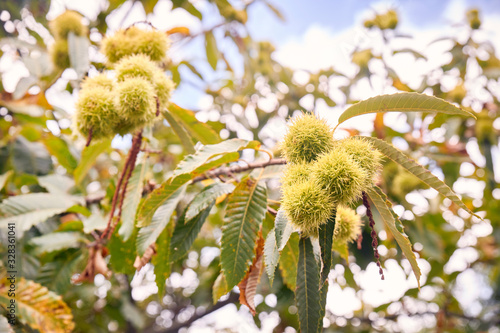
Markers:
point(141, 262)
point(248, 286)
point(95, 265)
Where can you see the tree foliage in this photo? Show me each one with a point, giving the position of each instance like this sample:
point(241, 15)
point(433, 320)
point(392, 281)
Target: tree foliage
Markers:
point(154, 237)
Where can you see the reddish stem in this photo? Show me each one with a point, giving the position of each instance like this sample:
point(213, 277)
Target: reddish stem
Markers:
point(373, 233)
point(121, 186)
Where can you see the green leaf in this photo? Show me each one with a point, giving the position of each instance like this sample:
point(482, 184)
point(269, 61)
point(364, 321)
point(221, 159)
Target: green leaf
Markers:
point(56, 275)
point(307, 294)
point(57, 241)
point(271, 255)
point(78, 51)
point(220, 288)
point(158, 197)
point(211, 49)
point(58, 148)
point(188, 6)
point(185, 233)
point(206, 197)
point(402, 102)
point(31, 209)
point(132, 199)
point(89, 156)
point(157, 210)
point(149, 5)
point(198, 130)
point(162, 260)
point(217, 162)
point(384, 207)
point(56, 184)
point(419, 171)
point(123, 253)
point(289, 260)
point(283, 229)
point(30, 157)
point(245, 211)
point(205, 153)
point(416, 54)
point(325, 237)
point(5, 178)
point(38, 307)
point(184, 137)
point(323, 292)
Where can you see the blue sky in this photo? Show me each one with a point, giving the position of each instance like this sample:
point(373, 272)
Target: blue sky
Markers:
point(337, 15)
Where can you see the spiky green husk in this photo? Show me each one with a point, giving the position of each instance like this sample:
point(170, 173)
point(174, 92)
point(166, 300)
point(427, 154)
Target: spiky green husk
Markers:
point(296, 173)
point(367, 157)
point(339, 175)
point(347, 225)
point(95, 110)
point(99, 81)
point(138, 65)
point(59, 54)
point(69, 21)
point(135, 41)
point(307, 138)
point(307, 206)
point(135, 103)
point(163, 87)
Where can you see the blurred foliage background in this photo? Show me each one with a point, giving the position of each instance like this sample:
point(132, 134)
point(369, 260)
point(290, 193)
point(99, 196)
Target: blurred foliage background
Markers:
point(251, 98)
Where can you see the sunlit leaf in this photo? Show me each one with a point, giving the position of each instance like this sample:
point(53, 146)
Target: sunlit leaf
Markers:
point(271, 255)
point(283, 229)
point(78, 51)
point(245, 211)
point(4, 178)
point(89, 156)
point(204, 154)
point(158, 197)
point(211, 49)
point(419, 171)
point(56, 184)
point(38, 307)
point(132, 199)
point(289, 259)
point(31, 209)
point(220, 288)
point(58, 148)
point(157, 210)
point(184, 137)
point(57, 241)
point(206, 197)
point(198, 130)
point(402, 102)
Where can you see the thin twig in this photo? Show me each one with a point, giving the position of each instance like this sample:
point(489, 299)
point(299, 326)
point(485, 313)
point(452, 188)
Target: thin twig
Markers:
point(226, 171)
point(120, 189)
point(366, 203)
point(174, 329)
point(89, 138)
